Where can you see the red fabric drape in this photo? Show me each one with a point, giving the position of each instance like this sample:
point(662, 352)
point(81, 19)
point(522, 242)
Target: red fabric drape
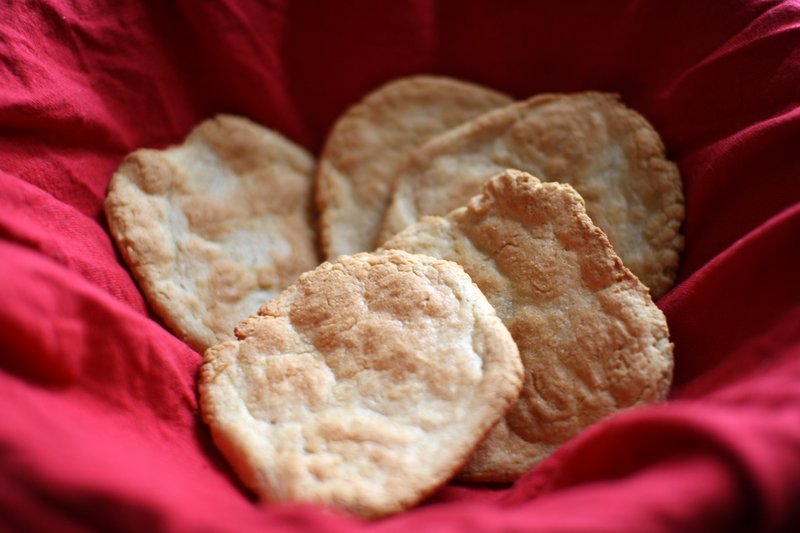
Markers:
point(98, 413)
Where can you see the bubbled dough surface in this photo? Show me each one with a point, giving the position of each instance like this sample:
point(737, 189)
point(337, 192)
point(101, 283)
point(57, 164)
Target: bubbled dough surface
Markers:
point(360, 160)
point(590, 338)
point(215, 227)
point(367, 384)
point(609, 153)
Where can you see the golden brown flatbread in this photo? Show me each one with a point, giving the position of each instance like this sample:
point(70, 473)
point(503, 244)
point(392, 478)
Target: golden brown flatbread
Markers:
point(609, 153)
point(590, 338)
point(215, 227)
point(360, 159)
point(365, 385)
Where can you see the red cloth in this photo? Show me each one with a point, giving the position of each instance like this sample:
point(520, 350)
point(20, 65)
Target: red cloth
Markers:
point(99, 426)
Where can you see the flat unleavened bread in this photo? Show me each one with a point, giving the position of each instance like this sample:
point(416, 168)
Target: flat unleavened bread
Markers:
point(365, 385)
point(360, 159)
point(215, 227)
point(609, 153)
point(590, 337)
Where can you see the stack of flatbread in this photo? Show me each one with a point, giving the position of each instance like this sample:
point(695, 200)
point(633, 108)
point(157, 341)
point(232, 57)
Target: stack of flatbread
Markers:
point(488, 290)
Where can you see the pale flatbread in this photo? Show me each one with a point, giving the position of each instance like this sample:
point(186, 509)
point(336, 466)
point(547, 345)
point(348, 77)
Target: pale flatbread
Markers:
point(607, 152)
point(215, 227)
point(366, 385)
point(589, 335)
point(360, 159)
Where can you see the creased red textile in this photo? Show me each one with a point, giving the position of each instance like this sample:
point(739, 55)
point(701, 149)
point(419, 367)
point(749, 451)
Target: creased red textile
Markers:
point(99, 426)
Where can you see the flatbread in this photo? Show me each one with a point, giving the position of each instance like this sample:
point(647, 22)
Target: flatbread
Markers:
point(215, 227)
point(360, 159)
point(590, 338)
point(609, 153)
point(366, 385)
